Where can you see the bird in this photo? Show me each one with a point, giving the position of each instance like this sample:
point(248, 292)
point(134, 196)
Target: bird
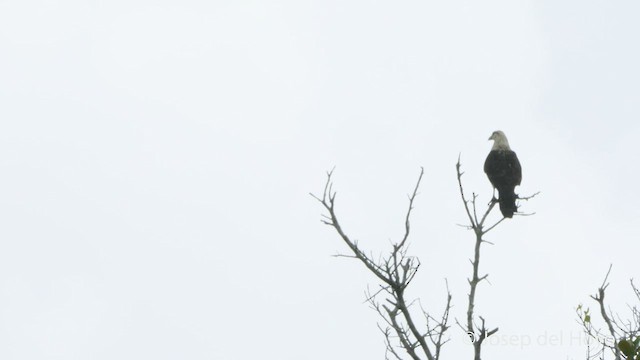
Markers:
point(504, 172)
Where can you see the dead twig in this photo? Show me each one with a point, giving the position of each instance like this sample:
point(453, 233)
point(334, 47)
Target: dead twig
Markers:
point(396, 271)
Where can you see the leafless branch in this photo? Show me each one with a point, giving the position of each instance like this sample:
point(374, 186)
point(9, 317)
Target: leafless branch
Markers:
point(635, 289)
point(599, 298)
point(396, 271)
point(478, 333)
point(525, 198)
point(492, 226)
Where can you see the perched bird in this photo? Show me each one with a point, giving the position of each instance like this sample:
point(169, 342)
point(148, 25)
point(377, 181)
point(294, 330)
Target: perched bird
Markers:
point(504, 171)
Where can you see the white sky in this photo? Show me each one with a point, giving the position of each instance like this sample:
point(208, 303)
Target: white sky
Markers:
point(157, 158)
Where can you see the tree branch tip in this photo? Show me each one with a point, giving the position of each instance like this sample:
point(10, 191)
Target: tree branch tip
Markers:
point(344, 256)
point(492, 332)
point(525, 198)
point(525, 214)
point(608, 271)
point(315, 197)
point(330, 172)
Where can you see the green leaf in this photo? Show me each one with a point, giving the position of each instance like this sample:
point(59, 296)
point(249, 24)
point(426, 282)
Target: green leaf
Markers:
point(587, 318)
point(627, 347)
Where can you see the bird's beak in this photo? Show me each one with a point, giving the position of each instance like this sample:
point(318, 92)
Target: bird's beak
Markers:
point(490, 137)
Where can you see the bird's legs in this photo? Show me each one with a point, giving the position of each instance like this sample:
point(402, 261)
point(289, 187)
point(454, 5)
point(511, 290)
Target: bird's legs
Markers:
point(493, 197)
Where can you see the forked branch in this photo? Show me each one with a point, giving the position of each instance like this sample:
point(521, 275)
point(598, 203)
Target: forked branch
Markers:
point(477, 333)
point(395, 271)
point(622, 337)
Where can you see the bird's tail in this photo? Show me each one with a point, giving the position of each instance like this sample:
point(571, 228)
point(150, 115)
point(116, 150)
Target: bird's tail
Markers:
point(507, 202)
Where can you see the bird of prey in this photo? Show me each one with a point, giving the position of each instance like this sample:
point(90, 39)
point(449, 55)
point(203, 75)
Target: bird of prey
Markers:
point(504, 171)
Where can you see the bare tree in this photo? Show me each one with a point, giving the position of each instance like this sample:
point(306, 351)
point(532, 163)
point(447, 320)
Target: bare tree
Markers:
point(477, 330)
point(395, 271)
point(621, 339)
point(478, 227)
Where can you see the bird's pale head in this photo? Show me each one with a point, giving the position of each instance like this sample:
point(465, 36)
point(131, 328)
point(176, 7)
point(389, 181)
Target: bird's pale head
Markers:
point(500, 141)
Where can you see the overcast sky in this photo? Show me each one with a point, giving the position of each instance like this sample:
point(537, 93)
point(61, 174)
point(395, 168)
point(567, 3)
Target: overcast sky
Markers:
point(157, 156)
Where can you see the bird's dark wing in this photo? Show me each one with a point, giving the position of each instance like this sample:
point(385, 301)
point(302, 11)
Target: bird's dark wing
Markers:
point(516, 169)
point(503, 169)
point(493, 167)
